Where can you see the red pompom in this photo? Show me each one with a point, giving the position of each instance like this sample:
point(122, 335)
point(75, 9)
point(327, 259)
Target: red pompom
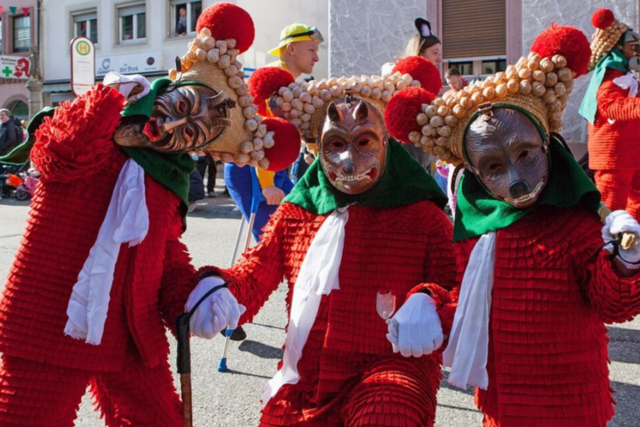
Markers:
point(287, 144)
point(566, 41)
point(402, 110)
point(423, 70)
point(602, 18)
point(265, 82)
point(228, 21)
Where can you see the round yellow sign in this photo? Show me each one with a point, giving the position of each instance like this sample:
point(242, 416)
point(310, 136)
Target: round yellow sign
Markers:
point(83, 48)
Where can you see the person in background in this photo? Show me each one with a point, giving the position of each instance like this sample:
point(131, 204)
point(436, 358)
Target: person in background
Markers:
point(206, 162)
point(181, 25)
point(196, 185)
point(425, 43)
point(8, 132)
point(298, 53)
point(455, 80)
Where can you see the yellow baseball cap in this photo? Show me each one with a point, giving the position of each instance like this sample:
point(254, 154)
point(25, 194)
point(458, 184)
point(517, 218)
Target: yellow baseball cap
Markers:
point(297, 33)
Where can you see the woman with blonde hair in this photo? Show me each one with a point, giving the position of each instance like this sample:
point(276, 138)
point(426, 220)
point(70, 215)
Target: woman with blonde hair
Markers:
point(425, 43)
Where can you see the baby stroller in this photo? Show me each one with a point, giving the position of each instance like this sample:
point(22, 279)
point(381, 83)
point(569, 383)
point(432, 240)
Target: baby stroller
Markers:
point(10, 179)
point(28, 186)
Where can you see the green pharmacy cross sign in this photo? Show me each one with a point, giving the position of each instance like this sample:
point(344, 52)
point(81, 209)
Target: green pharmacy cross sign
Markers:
point(7, 71)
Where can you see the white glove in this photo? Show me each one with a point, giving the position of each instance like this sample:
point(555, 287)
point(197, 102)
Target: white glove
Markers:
point(415, 330)
point(126, 85)
point(616, 223)
point(217, 312)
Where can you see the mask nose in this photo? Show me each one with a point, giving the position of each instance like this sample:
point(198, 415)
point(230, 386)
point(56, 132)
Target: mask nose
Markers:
point(519, 188)
point(349, 168)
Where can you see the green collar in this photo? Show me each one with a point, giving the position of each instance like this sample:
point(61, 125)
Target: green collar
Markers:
point(404, 182)
point(614, 60)
point(478, 212)
point(169, 169)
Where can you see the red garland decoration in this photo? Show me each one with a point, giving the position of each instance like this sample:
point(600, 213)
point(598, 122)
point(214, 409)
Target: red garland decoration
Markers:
point(602, 18)
point(402, 110)
point(228, 21)
point(264, 82)
point(287, 144)
point(566, 41)
point(423, 70)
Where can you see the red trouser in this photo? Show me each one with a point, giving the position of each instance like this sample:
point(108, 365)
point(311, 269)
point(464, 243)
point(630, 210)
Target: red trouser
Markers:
point(620, 189)
point(38, 395)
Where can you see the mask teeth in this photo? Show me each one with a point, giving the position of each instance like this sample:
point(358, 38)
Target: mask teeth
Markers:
point(531, 195)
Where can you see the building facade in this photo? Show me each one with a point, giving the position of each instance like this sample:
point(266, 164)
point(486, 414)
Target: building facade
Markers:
point(18, 33)
point(144, 37)
point(479, 37)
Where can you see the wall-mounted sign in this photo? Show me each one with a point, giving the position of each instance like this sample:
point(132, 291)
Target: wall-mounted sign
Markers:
point(14, 67)
point(138, 63)
point(83, 65)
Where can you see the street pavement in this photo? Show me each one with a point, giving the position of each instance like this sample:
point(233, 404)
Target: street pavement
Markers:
point(232, 399)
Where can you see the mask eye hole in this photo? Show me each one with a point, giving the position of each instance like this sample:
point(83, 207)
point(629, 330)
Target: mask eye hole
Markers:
point(364, 142)
point(337, 145)
point(523, 155)
point(181, 107)
point(495, 167)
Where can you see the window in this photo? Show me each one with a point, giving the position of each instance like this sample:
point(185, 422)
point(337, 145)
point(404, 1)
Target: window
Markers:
point(0, 36)
point(19, 110)
point(86, 25)
point(132, 23)
point(21, 33)
point(185, 14)
point(476, 47)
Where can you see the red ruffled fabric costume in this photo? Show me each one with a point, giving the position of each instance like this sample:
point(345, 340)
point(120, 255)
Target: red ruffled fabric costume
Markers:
point(45, 373)
point(614, 154)
point(551, 297)
point(349, 375)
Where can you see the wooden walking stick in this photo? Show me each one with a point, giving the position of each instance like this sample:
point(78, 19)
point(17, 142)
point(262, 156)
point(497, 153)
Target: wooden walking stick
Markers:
point(184, 357)
point(626, 240)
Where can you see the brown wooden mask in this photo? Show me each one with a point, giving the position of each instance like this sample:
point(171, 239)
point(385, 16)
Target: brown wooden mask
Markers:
point(183, 118)
point(508, 155)
point(353, 145)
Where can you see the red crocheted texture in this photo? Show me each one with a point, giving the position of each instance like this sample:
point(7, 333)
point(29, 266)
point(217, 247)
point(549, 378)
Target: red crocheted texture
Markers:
point(548, 343)
point(151, 281)
point(402, 110)
point(265, 82)
point(602, 18)
point(566, 41)
point(76, 141)
point(36, 394)
point(393, 250)
point(423, 70)
point(615, 145)
point(228, 21)
point(287, 144)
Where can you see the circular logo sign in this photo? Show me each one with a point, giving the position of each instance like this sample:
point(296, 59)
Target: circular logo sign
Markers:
point(83, 48)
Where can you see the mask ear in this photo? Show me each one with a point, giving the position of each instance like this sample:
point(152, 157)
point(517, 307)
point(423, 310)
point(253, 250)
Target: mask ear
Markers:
point(335, 115)
point(424, 28)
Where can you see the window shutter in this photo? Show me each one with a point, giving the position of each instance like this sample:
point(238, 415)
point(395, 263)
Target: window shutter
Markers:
point(474, 28)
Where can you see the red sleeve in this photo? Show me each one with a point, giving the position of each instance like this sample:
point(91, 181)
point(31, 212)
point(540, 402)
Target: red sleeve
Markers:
point(76, 141)
point(178, 278)
point(615, 298)
point(613, 102)
point(440, 268)
point(259, 271)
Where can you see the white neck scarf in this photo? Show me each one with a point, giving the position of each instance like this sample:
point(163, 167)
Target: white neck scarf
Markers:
point(468, 349)
point(127, 220)
point(318, 276)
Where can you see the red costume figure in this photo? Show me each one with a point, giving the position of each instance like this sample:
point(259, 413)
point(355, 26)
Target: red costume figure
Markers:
point(612, 108)
point(536, 288)
point(357, 238)
point(101, 271)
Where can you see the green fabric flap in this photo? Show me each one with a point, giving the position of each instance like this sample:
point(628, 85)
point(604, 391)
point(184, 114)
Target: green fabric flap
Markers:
point(169, 169)
point(404, 182)
point(615, 60)
point(22, 152)
point(478, 212)
point(141, 109)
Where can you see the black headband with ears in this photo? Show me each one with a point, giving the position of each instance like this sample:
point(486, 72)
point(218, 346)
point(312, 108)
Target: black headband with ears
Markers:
point(424, 28)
